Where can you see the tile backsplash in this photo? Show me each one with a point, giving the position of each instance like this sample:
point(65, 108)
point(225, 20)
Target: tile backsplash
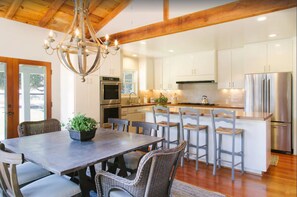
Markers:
point(194, 92)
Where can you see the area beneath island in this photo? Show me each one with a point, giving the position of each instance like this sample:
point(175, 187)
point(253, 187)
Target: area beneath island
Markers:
point(257, 143)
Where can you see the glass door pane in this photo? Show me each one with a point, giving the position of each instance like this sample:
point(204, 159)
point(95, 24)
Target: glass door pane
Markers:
point(3, 101)
point(32, 93)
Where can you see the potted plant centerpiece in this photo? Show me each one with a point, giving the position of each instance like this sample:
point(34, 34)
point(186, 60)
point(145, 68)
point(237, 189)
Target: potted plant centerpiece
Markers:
point(81, 127)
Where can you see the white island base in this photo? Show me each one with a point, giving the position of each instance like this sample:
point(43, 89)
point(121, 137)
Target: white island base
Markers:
point(257, 142)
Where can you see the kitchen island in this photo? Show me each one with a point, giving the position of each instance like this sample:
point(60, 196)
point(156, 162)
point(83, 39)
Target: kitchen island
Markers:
point(257, 143)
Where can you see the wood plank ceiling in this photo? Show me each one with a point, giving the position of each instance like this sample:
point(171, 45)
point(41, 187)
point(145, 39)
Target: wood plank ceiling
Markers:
point(58, 14)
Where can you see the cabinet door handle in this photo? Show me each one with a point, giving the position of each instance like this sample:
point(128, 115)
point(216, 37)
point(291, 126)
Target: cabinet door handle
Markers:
point(232, 84)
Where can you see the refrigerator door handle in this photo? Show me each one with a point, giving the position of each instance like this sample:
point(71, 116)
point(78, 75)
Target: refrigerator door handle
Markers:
point(263, 93)
point(268, 96)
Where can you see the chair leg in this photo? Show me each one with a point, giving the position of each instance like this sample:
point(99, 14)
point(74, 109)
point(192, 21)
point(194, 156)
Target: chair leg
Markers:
point(197, 150)
point(168, 141)
point(178, 135)
point(188, 144)
point(233, 156)
point(242, 152)
point(163, 135)
point(215, 154)
point(183, 154)
point(220, 150)
point(206, 148)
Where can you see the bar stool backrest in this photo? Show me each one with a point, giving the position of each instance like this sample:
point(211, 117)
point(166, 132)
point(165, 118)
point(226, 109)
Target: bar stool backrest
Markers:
point(187, 113)
point(119, 124)
point(159, 112)
point(223, 115)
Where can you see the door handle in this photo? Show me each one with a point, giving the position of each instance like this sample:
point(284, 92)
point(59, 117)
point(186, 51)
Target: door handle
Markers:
point(9, 113)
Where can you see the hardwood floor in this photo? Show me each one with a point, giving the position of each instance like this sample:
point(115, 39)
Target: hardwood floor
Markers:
point(279, 180)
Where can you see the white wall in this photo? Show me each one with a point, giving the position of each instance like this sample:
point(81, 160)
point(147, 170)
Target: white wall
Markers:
point(19, 40)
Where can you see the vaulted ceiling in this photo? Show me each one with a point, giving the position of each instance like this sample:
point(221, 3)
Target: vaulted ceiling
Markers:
point(58, 14)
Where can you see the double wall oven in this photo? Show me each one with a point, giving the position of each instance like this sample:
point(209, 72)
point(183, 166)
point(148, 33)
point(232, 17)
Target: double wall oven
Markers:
point(110, 99)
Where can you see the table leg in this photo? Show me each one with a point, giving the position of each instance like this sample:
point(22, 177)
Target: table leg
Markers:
point(86, 183)
point(122, 166)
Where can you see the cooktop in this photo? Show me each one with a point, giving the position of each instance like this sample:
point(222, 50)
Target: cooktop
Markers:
point(208, 104)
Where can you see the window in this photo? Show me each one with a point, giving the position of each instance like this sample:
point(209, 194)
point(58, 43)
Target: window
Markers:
point(129, 82)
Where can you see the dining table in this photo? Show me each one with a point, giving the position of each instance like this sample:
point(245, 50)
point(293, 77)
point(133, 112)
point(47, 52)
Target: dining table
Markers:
point(61, 155)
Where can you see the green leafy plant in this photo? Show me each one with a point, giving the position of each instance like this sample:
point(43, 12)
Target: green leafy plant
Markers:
point(82, 123)
point(162, 100)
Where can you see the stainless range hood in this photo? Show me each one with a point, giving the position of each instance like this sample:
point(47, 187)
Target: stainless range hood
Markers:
point(205, 81)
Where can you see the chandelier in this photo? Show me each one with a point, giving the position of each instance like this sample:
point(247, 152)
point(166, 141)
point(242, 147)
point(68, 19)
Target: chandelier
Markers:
point(80, 44)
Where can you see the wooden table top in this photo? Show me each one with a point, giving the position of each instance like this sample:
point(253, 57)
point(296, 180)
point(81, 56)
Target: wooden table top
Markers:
point(58, 153)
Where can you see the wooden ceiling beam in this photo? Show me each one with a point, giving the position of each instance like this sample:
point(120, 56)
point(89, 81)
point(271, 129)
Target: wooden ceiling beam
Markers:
point(221, 14)
point(165, 10)
point(13, 8)
point(54, 7)
point(112, 14)
point(93, 5)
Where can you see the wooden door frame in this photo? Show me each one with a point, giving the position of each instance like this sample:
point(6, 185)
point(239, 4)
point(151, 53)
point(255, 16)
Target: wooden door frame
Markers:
point(13, 96)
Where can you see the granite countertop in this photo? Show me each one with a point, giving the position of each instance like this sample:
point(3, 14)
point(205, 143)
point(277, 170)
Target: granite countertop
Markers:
point(239, 114)
point(182, 105)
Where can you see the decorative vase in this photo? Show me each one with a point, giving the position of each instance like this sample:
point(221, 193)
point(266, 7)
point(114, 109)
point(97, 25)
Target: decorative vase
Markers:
point(82, 135)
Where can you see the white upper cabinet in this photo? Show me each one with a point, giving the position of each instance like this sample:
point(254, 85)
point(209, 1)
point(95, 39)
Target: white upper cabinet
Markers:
point(198, 66)
point(158, 73)
point(255, 58)
point(230, 68)
point(170, 68)
point(273, 56)
point(280, 55)
point(111, 66)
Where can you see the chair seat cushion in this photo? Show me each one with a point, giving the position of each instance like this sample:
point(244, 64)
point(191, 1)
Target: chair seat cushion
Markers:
point(118, 193)
point(194, 127)
point(51, 186)
point(228, 131)
point(132, 159)
point(28, 172)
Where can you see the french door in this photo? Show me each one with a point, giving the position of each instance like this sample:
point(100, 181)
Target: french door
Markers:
point(25, 93)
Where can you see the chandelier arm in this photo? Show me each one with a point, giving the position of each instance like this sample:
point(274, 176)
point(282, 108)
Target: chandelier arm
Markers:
point(79, 60)
point(64, 62)
point(84, 57)
point(95, 66)
point(92, 31)
point(70, 65)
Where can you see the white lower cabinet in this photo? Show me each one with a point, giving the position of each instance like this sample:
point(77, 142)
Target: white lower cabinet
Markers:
point(230, 68)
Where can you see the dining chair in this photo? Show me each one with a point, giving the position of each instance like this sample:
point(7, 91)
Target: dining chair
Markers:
point(132, 158)
point(228, 118)
point(28, 172)
point(119, 124)
point(154, 177)
point(38, 127)
point(50, 186)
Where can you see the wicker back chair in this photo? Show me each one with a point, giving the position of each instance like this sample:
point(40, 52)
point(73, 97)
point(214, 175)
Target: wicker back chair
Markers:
point(154, 177)
point(38, 127)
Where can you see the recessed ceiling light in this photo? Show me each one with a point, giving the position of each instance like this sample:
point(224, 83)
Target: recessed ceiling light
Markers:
point(134, 55)
point(277, 45)
point(143, 42)
point(272, 35)
point(261, 18)
point(171, 50)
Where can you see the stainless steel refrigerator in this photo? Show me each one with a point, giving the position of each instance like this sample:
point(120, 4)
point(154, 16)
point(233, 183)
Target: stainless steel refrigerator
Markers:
point(272, 93)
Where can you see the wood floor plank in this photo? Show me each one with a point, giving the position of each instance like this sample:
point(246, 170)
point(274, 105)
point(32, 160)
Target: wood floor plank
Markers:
point(280, 180)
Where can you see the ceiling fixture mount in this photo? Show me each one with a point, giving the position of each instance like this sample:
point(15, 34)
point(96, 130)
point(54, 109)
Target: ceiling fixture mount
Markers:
point(80, 43)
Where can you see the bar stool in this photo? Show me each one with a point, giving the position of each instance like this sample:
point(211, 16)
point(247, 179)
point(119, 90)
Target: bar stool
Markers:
point(190, 114)
point(162, 113)
point(228, 117)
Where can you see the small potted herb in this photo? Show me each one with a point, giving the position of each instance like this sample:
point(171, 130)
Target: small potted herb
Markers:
point(81, 127)
point(162, 100)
